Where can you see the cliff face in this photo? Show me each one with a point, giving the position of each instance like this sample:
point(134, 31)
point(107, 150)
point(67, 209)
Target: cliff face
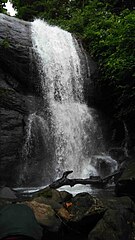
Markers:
point(15, 77)
point(12, 112)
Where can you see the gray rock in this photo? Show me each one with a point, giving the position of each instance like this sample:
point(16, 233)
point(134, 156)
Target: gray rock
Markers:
point(117, 222)
point(17, 94)
point(82, 212)
point(7, 193)
point(126, 184)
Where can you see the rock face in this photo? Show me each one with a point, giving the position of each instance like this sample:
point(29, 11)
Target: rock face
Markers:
point(126, 183)
point(15, 49)
point(19, 97)
point(15, 75)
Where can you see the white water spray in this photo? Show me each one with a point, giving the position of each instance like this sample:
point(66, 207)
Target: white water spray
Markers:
point(62, 83)
point(74, 126)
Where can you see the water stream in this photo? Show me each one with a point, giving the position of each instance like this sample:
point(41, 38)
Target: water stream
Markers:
point(73, 126)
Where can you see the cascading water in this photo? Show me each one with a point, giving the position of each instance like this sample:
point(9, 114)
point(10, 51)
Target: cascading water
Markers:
point(73, 126)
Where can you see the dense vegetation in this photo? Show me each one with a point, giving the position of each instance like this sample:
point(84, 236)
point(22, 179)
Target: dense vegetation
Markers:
point(2, 5)
point(106, 29)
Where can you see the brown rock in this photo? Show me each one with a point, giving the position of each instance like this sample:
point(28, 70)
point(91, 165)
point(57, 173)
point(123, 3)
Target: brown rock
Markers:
point(63, 213)
point(44, 214)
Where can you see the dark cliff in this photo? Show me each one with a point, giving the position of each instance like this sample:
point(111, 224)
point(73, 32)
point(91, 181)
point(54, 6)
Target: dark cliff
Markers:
point(15, 75)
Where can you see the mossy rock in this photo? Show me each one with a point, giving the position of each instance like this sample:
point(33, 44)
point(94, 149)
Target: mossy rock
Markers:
point(5, 91)
point(55, 194)
point(117, 222)
point(5, 43)
point(53, 197)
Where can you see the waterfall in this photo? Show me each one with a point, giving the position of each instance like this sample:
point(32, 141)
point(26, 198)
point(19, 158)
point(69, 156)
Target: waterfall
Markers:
point(73, 126)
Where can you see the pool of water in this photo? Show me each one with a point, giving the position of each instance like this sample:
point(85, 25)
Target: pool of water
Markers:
point(98, 192)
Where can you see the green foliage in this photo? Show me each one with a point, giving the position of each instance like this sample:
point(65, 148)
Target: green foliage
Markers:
point(46, 193)
point(2, 4)
point(5, 91)
point(108, 37)
point(112, 43)
point(52, 9)
point(4, 43)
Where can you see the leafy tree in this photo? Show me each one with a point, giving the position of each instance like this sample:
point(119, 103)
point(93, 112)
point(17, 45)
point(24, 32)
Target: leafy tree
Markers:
point(2, 4)
point(52, 9)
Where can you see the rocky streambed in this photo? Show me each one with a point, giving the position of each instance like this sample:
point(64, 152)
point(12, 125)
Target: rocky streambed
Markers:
point(83, 216)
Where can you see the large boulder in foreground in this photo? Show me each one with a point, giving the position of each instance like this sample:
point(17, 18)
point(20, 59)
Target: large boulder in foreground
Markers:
point(80, 215)
point(45, 215)
point(86, 217)
point(61, 212)
point(83, 216)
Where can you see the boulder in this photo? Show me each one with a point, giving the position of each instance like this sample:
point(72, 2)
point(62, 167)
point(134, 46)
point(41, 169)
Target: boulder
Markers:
point(53, 197)
point(82, 212)
point(83, 216)
point(104, 164)
point(126, 183)
point(4, 202)
point(117, 222)
point(7, 193)
point(118, 153)
point(45, 215)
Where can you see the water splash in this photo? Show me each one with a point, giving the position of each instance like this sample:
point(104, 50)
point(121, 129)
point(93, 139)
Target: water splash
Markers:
point(73, 126)
point(61, 74)
point(37, 137)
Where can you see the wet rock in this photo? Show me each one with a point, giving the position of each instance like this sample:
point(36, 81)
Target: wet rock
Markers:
point(7, 193)
point(82, 212)
point(64, 214)
point(77, 214)
point(53, 197)
point(105, 165)
point(117, 222)
point(16, 84)
point(4, 202)
point(118, 154)
point(12, 111)
point(45, 205)
point(126, 183)
point(12, 99)
point(45, 215)
point(15, 48)
point(91, 77)
point(83, 216)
